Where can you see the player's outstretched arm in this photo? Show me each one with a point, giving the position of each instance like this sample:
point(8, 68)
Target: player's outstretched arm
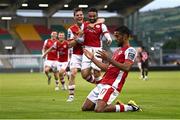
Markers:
point(93, 59)
point(72, 43)
point(43, 51)
point(47, 51)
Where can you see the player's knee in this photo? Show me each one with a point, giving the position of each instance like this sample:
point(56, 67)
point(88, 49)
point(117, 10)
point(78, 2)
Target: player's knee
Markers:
point(61, 72)
point(85, 108)
point(97, 74)
point(46, 70)
point(84, 76)
point(98, 110)
point(73, 73)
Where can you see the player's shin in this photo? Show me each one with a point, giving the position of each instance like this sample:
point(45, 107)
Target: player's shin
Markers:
point(90, 78)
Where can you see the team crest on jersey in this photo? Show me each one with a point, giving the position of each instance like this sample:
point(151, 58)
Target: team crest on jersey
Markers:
point(64, 46)
point(97, 26)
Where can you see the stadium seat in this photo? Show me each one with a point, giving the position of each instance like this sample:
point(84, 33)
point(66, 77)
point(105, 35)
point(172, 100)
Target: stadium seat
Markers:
point(43, 31)
point(34, 46)
point(3, 31)
point(4, 35)
point(27, 32)
point(66, 26)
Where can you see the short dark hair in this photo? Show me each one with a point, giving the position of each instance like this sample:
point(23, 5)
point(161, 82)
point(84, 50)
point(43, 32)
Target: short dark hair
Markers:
point(143, 48)
point(93, 10)
point(124, 30)
point(76, 10)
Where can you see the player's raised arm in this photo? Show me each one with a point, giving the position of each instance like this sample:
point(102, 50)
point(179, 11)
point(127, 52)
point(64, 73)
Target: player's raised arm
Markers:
point(76, 39)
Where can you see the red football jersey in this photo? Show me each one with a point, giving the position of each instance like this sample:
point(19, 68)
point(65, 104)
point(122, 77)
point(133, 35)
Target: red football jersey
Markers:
point(62, 51)
point(73, 31)
point(115, 76)
point(52, 55)
point(93, 36)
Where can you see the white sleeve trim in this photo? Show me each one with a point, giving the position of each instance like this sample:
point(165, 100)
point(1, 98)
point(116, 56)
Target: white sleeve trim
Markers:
point(130, 54)
point(70, 34)
point(108, 36)
point(104, 28)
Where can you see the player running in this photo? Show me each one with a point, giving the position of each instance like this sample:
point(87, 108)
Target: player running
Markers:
point(76, 56)
point(61, 47)
point(51, 57)
point(101, 97)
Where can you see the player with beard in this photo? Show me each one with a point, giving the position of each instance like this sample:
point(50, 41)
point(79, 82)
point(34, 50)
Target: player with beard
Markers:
point(101, 97)
point(76, 57)
point(92, 41)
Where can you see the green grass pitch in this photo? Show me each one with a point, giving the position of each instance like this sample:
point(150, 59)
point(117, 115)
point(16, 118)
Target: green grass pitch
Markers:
point(27, 96)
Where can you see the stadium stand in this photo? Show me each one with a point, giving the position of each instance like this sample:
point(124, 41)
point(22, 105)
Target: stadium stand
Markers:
point(58, 28)
point(27, 32)
point(4, 35)
point(30, 37)
point(43, 31)
point(133, 43)
point(34, 47)
point(5, 40)
point(66, 26)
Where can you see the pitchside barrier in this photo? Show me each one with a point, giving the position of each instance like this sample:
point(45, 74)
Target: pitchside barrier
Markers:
point(34, 63)
point(21, 63)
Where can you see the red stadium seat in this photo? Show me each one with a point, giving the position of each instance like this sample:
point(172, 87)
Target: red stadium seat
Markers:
point(41, 29)
point(3, 31)
point(33, 45)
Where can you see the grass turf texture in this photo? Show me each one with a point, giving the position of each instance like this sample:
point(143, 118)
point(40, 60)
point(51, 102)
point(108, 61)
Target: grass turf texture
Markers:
point(28, 96)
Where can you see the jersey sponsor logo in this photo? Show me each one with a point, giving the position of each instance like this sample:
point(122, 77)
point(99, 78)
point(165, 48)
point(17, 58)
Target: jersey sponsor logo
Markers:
point(65, 46)
point(97, 26)
point(131, 56)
